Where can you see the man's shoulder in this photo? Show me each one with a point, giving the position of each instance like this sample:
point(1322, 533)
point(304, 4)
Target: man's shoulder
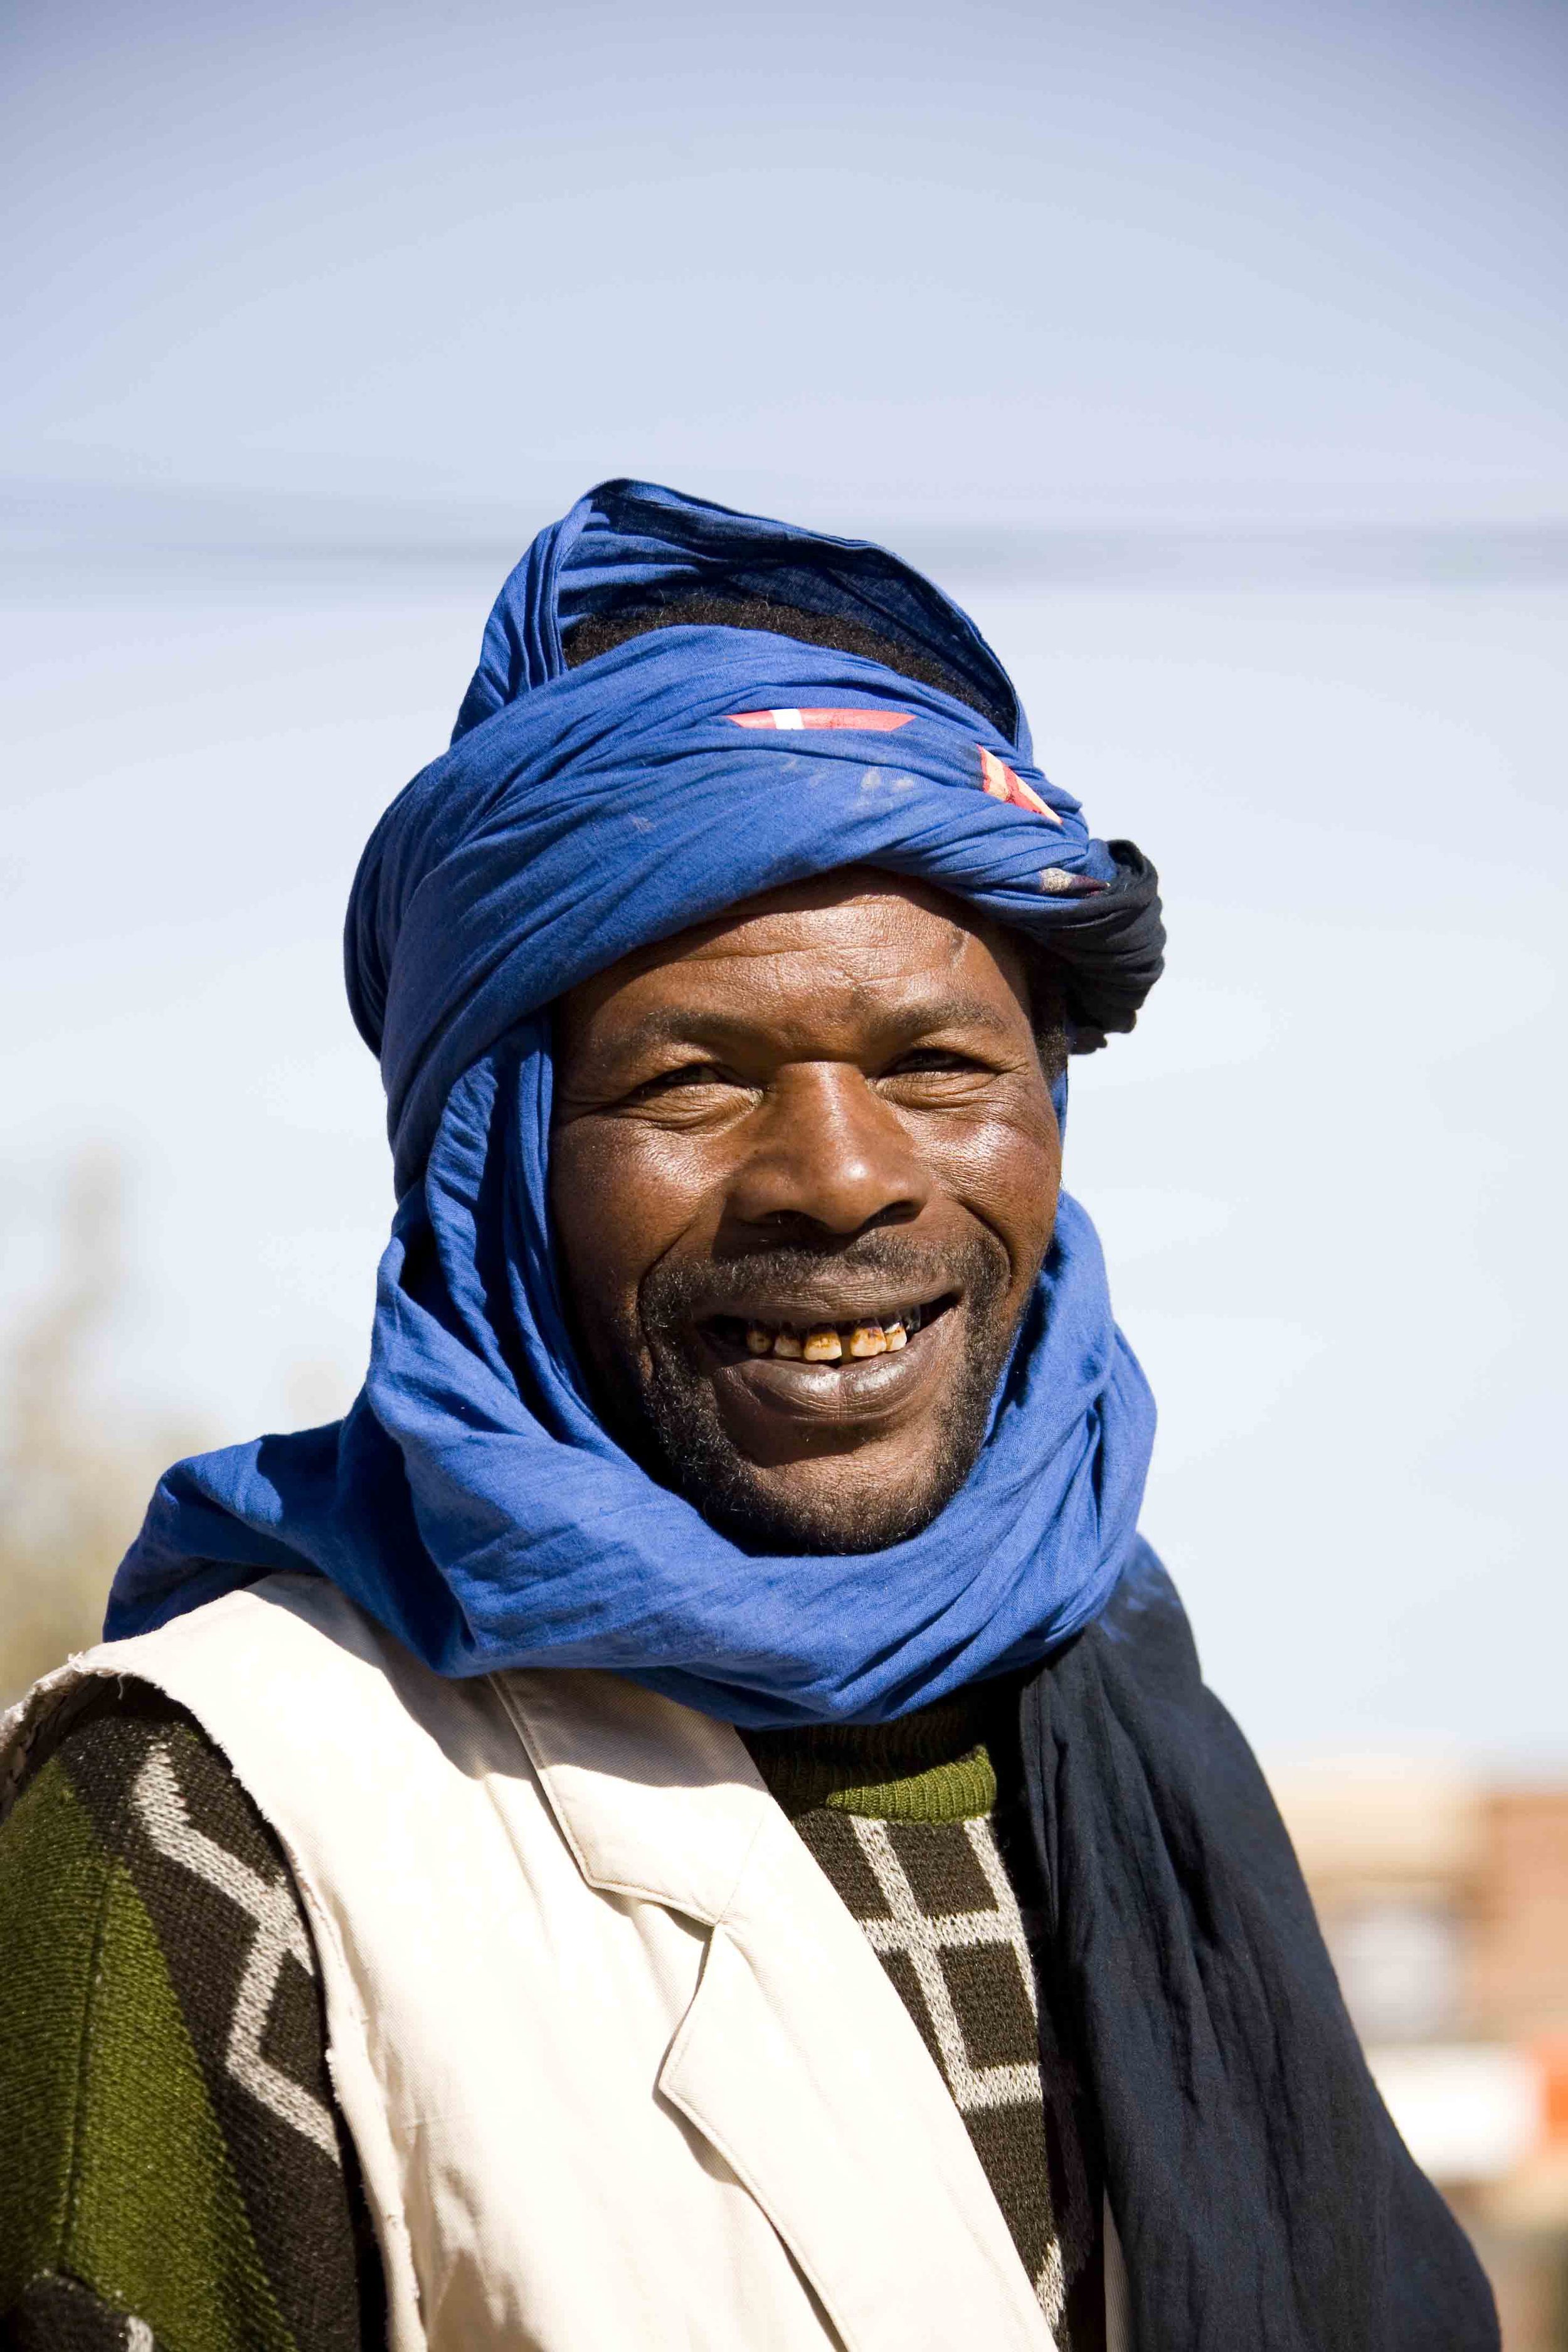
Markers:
point(138, 1766)
point(103, 1729)
point(162, 2036)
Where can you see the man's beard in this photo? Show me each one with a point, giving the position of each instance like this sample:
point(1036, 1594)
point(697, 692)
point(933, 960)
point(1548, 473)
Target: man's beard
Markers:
point(683, 1440)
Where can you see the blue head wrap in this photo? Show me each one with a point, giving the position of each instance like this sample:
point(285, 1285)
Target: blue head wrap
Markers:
point(472, 1501)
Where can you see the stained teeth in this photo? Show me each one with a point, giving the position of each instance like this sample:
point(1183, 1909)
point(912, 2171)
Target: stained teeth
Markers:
point(828, 1343)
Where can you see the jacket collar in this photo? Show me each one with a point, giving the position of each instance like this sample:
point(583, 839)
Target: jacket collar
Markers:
point(797, 2061)
point(610, 1756)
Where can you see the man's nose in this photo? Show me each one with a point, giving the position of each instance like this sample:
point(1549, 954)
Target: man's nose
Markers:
point(828, 1152)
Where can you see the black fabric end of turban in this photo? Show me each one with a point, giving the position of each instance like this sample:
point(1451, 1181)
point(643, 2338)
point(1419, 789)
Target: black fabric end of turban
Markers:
point(1113, 949)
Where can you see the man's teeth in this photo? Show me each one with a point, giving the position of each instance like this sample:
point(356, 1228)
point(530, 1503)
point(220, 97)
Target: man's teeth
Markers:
point(828, 1343)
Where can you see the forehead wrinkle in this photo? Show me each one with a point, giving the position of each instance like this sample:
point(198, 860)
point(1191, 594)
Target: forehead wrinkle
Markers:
point(907, 975)
point(908, 1012)
point(813, 929)
point(859, 965)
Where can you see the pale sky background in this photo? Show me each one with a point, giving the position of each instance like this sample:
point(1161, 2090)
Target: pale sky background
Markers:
point(1212, 355)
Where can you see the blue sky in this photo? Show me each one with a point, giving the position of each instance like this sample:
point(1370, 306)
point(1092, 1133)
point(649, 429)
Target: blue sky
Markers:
point(890, 261)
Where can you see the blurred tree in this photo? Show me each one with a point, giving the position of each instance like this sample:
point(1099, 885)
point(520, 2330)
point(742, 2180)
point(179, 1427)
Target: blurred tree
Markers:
point(76, 1470)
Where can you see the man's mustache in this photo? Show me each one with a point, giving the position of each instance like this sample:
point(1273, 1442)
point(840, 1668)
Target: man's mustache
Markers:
point(873, 1270)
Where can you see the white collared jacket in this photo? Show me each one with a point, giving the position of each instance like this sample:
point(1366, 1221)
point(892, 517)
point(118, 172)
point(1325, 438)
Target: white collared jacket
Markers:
point(622, 2073)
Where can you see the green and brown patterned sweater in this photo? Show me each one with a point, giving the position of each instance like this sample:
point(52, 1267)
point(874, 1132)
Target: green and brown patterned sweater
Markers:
point(175, 2176)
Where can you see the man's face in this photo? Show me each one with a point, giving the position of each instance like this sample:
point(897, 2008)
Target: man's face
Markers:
point(803, 1174)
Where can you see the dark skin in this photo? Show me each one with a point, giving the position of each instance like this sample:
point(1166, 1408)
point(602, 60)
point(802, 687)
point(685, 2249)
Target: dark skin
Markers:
point(826, 1109)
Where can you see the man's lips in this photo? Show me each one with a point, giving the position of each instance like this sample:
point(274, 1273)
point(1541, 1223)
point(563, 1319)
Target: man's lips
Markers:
point(846, 1388)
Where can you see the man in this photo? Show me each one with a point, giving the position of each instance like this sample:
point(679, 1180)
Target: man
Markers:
point(691, 1819)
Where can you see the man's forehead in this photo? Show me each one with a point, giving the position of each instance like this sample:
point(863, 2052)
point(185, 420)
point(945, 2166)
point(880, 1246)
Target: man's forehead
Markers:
point(850, 913)
point(870, 953)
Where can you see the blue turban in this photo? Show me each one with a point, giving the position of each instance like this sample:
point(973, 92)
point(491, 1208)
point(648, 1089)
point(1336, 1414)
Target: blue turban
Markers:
point(472, 1501)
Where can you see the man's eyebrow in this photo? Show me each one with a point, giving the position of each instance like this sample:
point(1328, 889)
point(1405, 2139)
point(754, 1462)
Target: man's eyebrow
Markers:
point(691, 1024)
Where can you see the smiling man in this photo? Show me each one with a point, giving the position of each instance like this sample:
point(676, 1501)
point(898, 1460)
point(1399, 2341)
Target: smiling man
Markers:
point(691, 1819)
point(803, 1179)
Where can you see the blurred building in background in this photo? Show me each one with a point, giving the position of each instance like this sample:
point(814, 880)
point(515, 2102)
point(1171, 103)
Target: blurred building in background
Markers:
point(1445, 1901)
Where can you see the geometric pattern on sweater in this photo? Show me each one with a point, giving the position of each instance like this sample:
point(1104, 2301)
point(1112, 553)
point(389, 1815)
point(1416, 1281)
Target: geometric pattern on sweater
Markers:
point(936, 1941)
point(205, 2128)
point(270, 1912)
point(939, 1908)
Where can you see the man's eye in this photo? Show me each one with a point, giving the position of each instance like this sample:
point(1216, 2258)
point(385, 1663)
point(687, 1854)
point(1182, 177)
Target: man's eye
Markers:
point(688, 1074)
point(930, 1058)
